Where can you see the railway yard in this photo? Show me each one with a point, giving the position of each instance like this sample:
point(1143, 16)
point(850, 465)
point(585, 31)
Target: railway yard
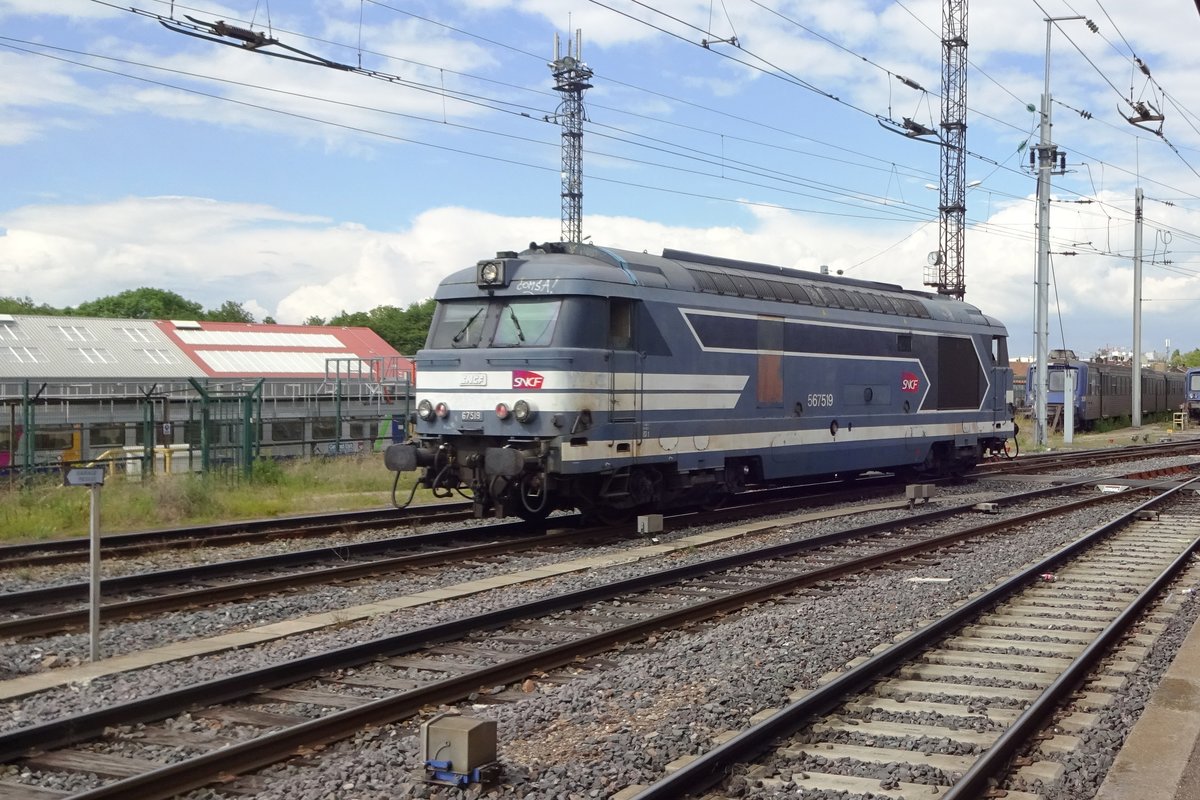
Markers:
point(841, 641)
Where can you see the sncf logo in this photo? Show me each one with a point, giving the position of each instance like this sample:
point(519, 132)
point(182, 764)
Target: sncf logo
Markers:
point(910, 383)
point(524, 379)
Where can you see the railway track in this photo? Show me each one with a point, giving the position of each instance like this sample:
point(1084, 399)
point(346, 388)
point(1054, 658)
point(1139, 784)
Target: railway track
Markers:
point(125, 545)
point(41, 611)
point(946, 710)
point(1064, 459)
point(334, 694)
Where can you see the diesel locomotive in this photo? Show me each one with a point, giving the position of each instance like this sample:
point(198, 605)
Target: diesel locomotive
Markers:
point(615, 382)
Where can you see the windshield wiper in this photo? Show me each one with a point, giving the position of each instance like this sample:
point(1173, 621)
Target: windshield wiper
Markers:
point(516, 324)
point(458, 337)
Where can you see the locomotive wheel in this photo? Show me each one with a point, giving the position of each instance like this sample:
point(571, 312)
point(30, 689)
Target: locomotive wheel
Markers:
point(714, 501)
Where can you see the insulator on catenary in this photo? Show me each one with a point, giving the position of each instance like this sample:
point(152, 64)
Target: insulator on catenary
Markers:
point(223, 28)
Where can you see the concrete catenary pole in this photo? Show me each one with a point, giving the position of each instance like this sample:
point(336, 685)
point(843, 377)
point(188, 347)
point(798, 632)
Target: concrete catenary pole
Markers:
point(1137, 309)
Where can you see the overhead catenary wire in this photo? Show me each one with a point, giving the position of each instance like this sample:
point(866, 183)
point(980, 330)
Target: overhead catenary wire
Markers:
point(595, 178)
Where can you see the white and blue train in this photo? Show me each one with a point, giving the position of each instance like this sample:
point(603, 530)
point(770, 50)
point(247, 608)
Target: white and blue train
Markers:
point(1103, 390)
point(575, 376)
point(1191, 397)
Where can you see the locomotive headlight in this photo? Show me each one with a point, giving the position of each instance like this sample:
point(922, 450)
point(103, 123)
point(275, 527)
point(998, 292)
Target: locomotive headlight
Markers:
point(425, 410)
point(502, 411)
point(442, 410)
point(523, 411)
point(489, 274)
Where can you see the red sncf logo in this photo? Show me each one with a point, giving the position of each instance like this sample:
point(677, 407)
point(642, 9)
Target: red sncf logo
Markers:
point(909, 383)
point(524, 379)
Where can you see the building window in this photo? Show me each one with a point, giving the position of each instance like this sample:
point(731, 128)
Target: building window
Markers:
point(95, 355)
point(287, 430)
point(20, 355)
point(324, 428)
point(106, 435)
point(136, 334)
point(159, 356)
point(74, 333)
point(9, 330)
point(53, 440)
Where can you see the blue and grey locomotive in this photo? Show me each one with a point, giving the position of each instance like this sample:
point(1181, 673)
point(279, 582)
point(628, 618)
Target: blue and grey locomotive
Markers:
point(576, 376)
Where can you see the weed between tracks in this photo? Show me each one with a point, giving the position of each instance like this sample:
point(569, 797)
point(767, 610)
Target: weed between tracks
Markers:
point(45, 509)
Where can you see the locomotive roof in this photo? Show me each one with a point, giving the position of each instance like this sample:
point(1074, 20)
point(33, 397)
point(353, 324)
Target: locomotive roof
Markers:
point(693, 272)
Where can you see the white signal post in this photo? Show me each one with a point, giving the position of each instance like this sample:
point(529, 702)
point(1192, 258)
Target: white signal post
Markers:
point(93, 478)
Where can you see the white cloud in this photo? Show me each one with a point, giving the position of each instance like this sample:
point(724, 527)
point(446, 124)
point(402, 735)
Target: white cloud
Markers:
point(294, 266)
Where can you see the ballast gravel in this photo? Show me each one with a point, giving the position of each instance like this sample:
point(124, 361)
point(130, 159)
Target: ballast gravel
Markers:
point(609, 727)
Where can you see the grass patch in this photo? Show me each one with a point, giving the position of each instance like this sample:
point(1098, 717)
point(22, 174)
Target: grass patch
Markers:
point(45, 509)
point(1106, 433)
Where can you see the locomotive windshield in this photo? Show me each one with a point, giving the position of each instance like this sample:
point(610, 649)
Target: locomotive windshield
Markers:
point(458, 325)
point(517, 322)
point(527, 323)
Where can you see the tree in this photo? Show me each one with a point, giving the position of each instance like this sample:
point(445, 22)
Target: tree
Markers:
point(24, 305)
point(314, 320)
point(230, 312)
point(356, 320)
point(143, 303)
point(414, 327)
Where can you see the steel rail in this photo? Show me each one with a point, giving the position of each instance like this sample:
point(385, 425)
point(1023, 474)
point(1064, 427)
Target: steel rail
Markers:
point(76, 619)
point(711, 767)
point(59, 551)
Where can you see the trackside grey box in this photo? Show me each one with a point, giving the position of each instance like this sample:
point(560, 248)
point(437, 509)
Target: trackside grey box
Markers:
point(465, 742)
point(650, 523)
point(919, 491)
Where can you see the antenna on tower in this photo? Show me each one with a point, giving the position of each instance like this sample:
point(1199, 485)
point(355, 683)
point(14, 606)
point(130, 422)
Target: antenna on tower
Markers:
point(571, 78)
point(946, 265)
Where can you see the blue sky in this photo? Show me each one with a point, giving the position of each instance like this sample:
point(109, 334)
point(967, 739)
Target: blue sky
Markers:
point(138, 156)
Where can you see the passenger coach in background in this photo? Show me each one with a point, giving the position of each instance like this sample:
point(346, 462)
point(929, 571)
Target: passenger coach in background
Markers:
point(1103, 390)
point(574, 376)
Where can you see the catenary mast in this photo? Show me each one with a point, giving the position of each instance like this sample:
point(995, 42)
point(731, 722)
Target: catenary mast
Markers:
point(571, 78)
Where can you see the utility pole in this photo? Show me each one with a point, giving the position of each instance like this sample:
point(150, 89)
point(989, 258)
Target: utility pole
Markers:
point(949, 267)
point(1049, 161)
point(1137, 309)
point(571, 78)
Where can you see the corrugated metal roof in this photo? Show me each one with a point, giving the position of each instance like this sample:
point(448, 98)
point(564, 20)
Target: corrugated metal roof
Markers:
point(97, 348)
point(260, 362)
point(201, 338)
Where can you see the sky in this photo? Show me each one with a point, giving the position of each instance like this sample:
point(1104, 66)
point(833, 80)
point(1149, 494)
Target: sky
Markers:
point(136, 155)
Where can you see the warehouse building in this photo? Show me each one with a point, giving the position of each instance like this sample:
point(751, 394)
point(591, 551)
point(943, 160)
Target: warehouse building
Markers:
point(180, 395)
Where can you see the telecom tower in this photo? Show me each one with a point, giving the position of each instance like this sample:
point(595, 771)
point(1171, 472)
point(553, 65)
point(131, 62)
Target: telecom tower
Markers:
point(571, 77)
point(946, 264)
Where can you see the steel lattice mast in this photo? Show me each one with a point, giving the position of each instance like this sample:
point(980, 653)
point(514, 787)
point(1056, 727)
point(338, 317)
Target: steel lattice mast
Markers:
point(571, 78)
point(948, 270)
